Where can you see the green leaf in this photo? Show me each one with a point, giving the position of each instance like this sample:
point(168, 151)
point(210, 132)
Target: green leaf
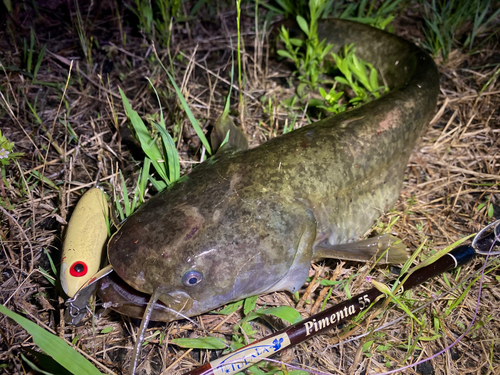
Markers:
point(330, 282)
point(284, 53)
point(52, 265)
point(247, 329)
point(107, 330)
point(341, 80)
point(286, 5)
point(373, 78)
point(190, 115)
point(283, 312)
point(200, 343)
point(367, 345)
point(296, 42)
point(231, 308)
point(226, 139)
point(303, 25)
point(34, 367)
point(143, 180)
point(249, 304)
point(323, 93)
point(490, 210)
point(57, 348)
point(158, 185)
point(431, 338)
point(126, 201)
point(254, 370)
point(47, 276)
point(148, 145)
point(439, 254)
point(174, 168)
point(46, 362)
point(42, 178)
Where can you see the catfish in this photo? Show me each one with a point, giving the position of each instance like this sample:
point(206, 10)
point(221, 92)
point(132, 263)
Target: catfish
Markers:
point(250, 221)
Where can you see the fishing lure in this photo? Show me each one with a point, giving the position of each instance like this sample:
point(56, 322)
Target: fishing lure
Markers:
point(86, 236)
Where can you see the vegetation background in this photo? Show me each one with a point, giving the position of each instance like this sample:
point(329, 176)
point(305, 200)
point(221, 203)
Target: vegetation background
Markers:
point(64, 127)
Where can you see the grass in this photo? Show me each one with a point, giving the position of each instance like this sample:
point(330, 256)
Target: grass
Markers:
point(312, 59)
point(452, 185)
point(446, 20)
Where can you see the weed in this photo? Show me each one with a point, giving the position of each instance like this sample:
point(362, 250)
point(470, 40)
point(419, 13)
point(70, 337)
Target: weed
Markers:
point(29, 55)
point(374, 13)
point(368, 13)
point(155, 18)
point(446, 21)
point(310, 59)
point(489, 208)
point(85, 41)
point(56, 347)
point(364, 85)
point(308, 56)
point(6, 156)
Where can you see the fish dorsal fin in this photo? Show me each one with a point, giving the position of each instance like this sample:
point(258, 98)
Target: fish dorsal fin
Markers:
point(365, 250)
point(236, 141)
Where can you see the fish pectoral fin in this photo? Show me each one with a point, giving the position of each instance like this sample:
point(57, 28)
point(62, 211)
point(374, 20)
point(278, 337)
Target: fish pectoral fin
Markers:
point(366, 250)
point(236, 141)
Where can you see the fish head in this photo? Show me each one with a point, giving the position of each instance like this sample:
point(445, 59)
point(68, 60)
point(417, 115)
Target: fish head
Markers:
point(199, 257)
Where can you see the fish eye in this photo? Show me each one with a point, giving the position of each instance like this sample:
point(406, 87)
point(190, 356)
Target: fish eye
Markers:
point(192, 278)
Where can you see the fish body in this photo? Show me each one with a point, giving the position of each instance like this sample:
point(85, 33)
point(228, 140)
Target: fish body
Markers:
point(250, 222)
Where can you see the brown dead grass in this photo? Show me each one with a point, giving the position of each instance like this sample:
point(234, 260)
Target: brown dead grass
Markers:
point(454, 169)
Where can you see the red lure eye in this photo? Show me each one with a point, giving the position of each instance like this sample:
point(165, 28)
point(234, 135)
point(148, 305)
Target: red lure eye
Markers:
point(78, 269)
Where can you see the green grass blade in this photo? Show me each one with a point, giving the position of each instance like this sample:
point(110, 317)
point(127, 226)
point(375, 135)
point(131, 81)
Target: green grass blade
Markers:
point(440, 253)
point(126, 201)
point(52, 265)
point(39, 62)
point(44, 179)
point(162, 119)
point(249, 304)
point(283, 312)
point(158, 185)
point(190, 115)
point(120, 210)
point(35, 367)
point(148, 145)
point(230, 308)
point(174, 168)
point(30, 52)
point(200, 343)
point(57, 348)
point(143, 182)
point(459, 300)
point(47, 276)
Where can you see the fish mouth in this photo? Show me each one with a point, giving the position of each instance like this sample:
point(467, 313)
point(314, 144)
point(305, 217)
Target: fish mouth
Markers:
point(117, 295)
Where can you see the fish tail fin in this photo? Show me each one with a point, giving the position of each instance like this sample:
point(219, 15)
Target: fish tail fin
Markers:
point(367, 250)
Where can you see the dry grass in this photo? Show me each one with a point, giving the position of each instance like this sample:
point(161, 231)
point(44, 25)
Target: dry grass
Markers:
point(454, 169)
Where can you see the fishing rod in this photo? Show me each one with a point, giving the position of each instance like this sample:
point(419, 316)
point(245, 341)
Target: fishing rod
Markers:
point(482, 244)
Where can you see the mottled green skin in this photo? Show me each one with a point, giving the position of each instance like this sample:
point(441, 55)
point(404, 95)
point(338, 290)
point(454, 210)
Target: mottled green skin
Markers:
point(249, 221)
